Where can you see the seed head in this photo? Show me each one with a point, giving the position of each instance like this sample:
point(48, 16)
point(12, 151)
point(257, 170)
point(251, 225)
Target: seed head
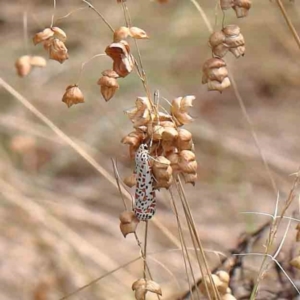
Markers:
point(234, 40)
point(242, 7)
point(73, 95)
point(109, 86)
point(142, 286)
point(184, 140)
point(162, 172)
point(43, 35)
point(23, 65)
point(138, 33)
point(120, 34)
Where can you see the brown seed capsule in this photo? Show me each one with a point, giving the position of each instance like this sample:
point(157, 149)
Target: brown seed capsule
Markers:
point(155, 132)
point(216, 42)
point(242, 7)
point(190, 178)
point(221, 287)
point(179, 109)
point(142, 286)
point(162, 172)
point(134, 138)
point(174, 160)
point(121, 33)
point(59, 33)
point(130, 180)
point(43, 35)
point(187, 162)
point(23, 65)
point(140, 115)
point(224, 277)
point(73, 95)
point(57, 50)
point(123, 60)
point(215, 74)
point(184, 140)
point(169, 134)
point(138, 33)
point(109, 86)
point(128, 222)
point(234, 40)
point(168, 147)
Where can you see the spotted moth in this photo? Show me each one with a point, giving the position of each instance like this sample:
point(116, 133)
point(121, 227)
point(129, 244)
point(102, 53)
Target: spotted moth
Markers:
point(145, 203)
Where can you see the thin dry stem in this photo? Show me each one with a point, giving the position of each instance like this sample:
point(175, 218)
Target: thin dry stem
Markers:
point(25, 31)
point(289, 22)
point(70, 13)
point(99, 14)
point(53, 14)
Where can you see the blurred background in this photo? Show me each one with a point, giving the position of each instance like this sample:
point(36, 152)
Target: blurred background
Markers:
point(59, 216)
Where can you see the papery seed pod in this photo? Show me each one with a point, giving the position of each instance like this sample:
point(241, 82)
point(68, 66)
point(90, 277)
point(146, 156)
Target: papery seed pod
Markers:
point(110, 73)
point(142, 286)
point(109, 86)
point(174, 160)
point(242, 7)
point(138, 33)
point(140, 115)
point(167, 124)
point(187, 162)
point(155, 132)
point(234, 40)
point(224, 277)
point(226, 4)
point(156, 149)
point(162, 117)
point(295, 262)
point(121, 33)
point(38, 61)
point(130, 180)
point(23, 65)
point(298, 233)
point(128, 222)
point(190, 178)
point(43, 35)
point(162, 172)
point(179, 109)
point(120, 54)
point(215, 74)
point(168, 146)
point(184, 140)
point(216, 42)
point(59, 33)
point(58, 51)
point(134, 138)
point(73, 95)
point(169, 134)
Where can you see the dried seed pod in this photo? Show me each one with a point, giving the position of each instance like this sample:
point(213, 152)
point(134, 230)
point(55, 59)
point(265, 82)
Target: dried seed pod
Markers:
point(38, 61)
point(130, 180)
point(226, 4)
point(221, 287)
point(184, 140)
point(179, 109)
point(142, 286)
point(140, 115)
point(109, 86)
point(169, 134)
point(190, 178)
point(57, 50)
point(216, 42)
point(120, 34)
point(134, 138)
point(174, 160)
point(43, 35)
point(138, 33)
point(295, 262)
point(128, 222)
point(234, 40)
point(224, 277)
point(242, 7)
point(168, 147)
point(123, 60)
point(59, 33)
point(155, 132)
point(166, 124)
point(23, 65)
point(162, 172)
point(187, 162)
point(215, 74)
point(73, 95)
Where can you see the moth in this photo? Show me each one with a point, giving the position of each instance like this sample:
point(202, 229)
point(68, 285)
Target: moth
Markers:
point(145, 202)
